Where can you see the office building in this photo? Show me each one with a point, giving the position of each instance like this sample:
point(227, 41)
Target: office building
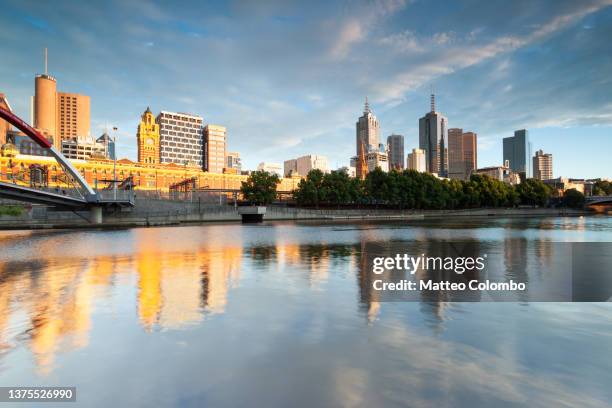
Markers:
point(433, 135)
point(83, 149)
point(517, 151)
point(367, 135)
point(502, 173)
point(24, 145)
point(542, 166)
point(215, 142)
point(395, 151)
point(148, 139)
point(290, 167)
point(234, 162)
point(181, 139)
point(73, 116)
point(417, 161)
point(4, 125)
point(377, 159)
point(462, 153)
point(269, 167)
point(109, 145)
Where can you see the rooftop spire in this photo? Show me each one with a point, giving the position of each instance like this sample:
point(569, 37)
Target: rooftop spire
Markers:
point(366, 109)
point(46, 61)
point(433, 102)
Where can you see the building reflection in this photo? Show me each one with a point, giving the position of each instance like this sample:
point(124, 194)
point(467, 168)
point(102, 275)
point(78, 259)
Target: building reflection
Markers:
point(49, 303)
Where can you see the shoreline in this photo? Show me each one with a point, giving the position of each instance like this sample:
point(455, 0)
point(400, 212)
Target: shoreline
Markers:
point(229, 215)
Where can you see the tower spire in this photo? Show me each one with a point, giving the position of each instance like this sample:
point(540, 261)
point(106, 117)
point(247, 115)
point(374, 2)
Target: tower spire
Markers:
point(433, 101)
point(366, 109)
point(45, 60)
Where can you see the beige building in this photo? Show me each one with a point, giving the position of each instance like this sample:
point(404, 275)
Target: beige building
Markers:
point(303, 165)
point(417, 161)
point(233, 161)
point(501, 173)
point(271, 168)
point(215, 143)
point(376, 159)
point(73, 116)
point(542, 166)
point(83, 149)
point(290, 167)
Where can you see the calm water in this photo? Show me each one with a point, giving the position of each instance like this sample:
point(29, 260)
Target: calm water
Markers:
point(282, 314)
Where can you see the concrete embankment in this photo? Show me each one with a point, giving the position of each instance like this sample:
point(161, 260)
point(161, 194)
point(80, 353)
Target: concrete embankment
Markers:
point(148, 212)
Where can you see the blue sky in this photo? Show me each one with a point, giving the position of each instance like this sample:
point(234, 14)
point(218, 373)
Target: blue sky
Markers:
point(289, 78)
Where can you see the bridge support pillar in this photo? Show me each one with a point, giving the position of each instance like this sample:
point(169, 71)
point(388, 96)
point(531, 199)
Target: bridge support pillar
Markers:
point(95, 215)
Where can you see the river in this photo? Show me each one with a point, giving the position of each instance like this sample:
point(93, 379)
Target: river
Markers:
point(282, 314)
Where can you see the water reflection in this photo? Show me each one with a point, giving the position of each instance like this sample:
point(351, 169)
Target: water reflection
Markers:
point(266, 297)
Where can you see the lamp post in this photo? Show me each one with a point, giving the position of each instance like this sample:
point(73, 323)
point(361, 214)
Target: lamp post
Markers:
point(115, 163)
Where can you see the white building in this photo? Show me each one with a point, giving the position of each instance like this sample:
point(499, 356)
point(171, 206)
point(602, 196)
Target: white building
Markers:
point(417, 160)
point(290, 167)
point(501, 173)
point(83, 149)
point(377, 159)
point(181, 138)
point(271, 168)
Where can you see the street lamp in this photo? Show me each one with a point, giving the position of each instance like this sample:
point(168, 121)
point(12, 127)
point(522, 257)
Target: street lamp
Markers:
point(115, 163)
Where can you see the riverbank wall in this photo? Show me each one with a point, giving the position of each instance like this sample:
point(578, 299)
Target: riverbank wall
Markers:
point(151, 212)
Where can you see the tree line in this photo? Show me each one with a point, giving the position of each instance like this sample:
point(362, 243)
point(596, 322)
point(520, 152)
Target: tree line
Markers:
point(407, 189)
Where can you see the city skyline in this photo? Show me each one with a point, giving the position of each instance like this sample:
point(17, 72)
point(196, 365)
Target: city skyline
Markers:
point(482, 71)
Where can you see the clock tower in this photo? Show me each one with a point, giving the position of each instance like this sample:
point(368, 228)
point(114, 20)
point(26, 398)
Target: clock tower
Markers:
point(148, 139)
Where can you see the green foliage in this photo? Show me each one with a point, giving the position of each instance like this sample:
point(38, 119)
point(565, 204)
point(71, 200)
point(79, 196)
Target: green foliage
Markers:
point(533, 192)
point(602, 187)
point(12, 210)
point(411, 189)
point(260, 188)
point(573, 198)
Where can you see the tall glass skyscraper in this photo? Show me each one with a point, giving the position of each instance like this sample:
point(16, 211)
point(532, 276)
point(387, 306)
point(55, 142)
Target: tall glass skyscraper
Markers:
point(433, 136)
point(395, 147)
point(517, 151)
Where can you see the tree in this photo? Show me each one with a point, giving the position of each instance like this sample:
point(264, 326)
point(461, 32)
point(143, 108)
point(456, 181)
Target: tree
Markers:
point(309, 191)
point(533, 192)
point(573, 198)
point(260, 188)
point(602, 187)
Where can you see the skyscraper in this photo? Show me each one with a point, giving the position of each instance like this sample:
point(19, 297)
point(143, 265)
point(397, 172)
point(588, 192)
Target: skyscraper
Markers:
point(433, 135)
point(542, 166)
point(395, 147)
point(462, 153)
point(517, 151)
point(148, 139)
point(45, 107)
point(181, 138)
point(368, 131)
point(214, 148)
point(73, 116)
point(416, 160)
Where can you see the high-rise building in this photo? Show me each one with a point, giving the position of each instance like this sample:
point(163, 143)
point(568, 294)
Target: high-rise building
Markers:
point(109, 146)
point(148, 139)
point(45, 107)
point(462, 153)
point(4, 125)
point(215, 142)
point(517, 151)
point(542, 166)
point(417, 161)
point(290, 167)
point(234, 161)
point(273, 168)
point(433, 135)
point(470, 153)
point(83, 149)
point(395, 151)
point(73, 116)
point(367, 135)
point(181, 138)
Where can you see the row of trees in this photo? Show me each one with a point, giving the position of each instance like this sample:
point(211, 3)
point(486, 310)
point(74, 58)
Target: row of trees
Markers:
point(602, 187)
point(411, 189)
point(404, 189)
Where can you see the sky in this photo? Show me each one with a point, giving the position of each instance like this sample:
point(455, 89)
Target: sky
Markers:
point(289, 78)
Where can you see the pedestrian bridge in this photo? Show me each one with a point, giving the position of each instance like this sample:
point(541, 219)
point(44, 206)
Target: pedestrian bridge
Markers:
point(82, 196)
